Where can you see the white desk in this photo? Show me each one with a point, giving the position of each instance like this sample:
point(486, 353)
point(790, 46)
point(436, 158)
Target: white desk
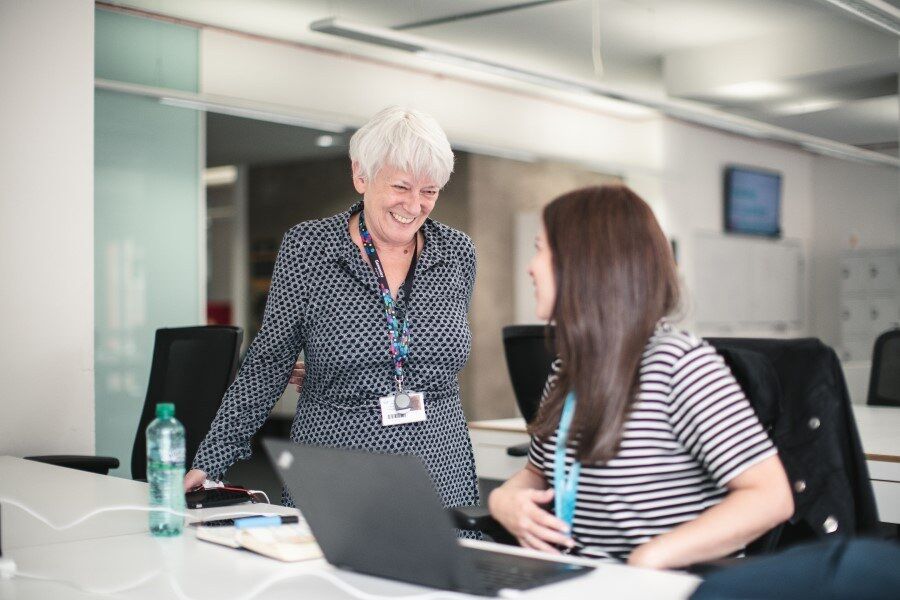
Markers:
point(65, 495)
point(108, 555)
point(879, 429)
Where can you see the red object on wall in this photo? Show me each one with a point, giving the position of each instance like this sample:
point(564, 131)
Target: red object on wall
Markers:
point(218, 313)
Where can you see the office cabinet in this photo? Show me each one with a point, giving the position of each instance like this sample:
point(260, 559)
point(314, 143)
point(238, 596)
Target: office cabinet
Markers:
point(869, 301)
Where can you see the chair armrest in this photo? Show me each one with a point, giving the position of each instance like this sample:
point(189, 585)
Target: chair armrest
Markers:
point(91, 464)
point(518, 450)
point(478, 518)
point(470, 518)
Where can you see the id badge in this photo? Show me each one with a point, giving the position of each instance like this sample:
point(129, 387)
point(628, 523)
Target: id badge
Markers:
point(392, 415)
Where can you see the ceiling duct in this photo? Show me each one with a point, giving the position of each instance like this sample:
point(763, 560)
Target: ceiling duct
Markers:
point(692, 112)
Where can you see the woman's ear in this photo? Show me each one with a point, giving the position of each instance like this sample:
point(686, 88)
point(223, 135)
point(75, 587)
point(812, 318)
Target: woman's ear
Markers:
point(359, 178)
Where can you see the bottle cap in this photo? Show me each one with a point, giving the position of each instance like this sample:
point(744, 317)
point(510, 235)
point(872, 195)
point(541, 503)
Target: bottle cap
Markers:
point(165, 410)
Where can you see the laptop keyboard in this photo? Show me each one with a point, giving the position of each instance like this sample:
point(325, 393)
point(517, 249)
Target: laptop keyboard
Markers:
point(504, 571)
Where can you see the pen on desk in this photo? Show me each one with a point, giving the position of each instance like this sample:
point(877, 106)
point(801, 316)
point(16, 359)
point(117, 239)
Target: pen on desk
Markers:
point(264, 521)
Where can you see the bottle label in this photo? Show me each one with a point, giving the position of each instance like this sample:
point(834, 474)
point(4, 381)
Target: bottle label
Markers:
point(169, 455)
point(174, 454)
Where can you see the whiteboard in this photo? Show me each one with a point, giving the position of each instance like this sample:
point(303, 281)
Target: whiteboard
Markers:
point(746, 281)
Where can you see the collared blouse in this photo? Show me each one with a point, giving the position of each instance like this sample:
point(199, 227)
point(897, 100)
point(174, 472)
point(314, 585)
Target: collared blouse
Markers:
point(324, 301)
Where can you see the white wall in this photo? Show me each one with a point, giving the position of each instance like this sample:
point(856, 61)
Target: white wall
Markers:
point(690, 199)
point(852, 200)
point(825, 201)
point(46, 226)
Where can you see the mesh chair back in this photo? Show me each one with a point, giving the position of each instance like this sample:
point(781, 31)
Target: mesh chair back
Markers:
point(192, 367)
point(884, 382)
point(528, 358)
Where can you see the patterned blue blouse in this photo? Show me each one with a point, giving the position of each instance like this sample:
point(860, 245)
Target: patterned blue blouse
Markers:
point(324, 300)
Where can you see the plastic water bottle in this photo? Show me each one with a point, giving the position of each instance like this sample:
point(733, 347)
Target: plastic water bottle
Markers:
point(165, 471)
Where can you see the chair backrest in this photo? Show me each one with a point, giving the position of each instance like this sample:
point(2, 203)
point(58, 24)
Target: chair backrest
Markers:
point(528, 358)
point(884, 382)
point(192, 367)
point(817, 438)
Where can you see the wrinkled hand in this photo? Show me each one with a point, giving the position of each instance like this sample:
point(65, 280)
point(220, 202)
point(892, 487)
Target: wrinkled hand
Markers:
point(519, 511)
point(193, 478)
point(298, 375)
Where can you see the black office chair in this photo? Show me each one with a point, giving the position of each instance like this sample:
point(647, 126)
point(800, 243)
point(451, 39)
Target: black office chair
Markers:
point(798, 391)
point(192, 367)
point(529, 352)
point(806, 409)
point(884, 382)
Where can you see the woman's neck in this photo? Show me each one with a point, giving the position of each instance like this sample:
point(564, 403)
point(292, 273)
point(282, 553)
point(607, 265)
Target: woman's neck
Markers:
point(383, 246)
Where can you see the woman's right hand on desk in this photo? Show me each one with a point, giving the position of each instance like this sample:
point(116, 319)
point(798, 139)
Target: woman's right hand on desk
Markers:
point(517, 506)
point(194, 478)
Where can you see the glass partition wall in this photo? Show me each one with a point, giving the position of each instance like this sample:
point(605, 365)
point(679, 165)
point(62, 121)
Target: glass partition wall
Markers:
point(147, 211)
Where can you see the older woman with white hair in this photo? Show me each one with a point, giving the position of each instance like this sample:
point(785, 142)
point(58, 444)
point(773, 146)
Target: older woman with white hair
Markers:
point(377, 298)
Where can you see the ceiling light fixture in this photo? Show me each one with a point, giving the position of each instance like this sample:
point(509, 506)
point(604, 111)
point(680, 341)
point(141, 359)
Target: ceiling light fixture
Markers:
point(687, 111)
point(876, 12)
point(752, 90)
point(806, 106)
point(282, 118)
point(833, 152)
point(325, 141)
point(215, 176)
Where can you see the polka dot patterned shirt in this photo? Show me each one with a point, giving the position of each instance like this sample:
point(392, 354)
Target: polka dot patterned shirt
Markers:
point(324, 300)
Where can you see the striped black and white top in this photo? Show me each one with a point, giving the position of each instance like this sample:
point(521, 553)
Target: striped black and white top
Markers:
point(690, 432)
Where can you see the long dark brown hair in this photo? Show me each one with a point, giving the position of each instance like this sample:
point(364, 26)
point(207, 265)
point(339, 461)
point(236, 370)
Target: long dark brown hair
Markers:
point(615, 278)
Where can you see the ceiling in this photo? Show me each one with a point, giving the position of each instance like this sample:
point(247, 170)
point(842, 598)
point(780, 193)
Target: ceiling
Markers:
point(801, 64)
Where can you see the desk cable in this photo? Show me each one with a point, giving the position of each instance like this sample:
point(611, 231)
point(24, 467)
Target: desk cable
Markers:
point(9, 567)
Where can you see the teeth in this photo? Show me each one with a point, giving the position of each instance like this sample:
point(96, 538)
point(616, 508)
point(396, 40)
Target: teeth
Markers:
point(401, 219)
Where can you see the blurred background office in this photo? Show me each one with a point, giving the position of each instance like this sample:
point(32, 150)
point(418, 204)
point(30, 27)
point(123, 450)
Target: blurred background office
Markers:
point(154, 152)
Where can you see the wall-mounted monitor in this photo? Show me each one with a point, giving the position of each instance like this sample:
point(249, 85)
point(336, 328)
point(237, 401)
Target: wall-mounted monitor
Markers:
point(752, 201)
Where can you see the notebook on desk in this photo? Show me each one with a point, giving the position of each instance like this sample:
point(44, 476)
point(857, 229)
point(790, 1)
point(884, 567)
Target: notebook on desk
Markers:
point(288, 543)
point(379, 514)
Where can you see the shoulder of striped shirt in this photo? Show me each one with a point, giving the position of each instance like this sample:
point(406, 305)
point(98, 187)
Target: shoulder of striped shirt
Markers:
point(673, 342)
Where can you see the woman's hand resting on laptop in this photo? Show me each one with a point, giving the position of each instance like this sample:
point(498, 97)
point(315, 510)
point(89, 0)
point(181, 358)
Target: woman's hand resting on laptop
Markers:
point(193, 478)
point(196, 477)
point(517, 505)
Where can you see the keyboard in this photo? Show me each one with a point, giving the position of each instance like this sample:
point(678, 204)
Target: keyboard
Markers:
point(505, 571)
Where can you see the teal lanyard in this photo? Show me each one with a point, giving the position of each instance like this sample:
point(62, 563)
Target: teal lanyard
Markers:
point(565, 488)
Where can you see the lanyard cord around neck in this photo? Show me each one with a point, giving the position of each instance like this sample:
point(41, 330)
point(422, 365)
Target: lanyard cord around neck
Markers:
point(398, 333)
point(565, 488)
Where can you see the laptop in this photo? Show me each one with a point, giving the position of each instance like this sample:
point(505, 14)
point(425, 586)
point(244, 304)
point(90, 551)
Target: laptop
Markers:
point(379, 514)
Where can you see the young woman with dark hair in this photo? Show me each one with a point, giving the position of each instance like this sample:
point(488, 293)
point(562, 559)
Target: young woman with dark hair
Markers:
point(644, 443)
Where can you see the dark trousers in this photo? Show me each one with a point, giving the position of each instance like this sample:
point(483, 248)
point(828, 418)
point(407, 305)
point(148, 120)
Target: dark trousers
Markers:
point(858, 569)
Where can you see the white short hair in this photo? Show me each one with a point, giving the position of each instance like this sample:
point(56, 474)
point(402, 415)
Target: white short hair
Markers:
point(406, 139)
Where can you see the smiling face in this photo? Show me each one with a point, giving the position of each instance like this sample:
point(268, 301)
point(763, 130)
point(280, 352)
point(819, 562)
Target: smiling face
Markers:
point(396, 203)
point(541, 270)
